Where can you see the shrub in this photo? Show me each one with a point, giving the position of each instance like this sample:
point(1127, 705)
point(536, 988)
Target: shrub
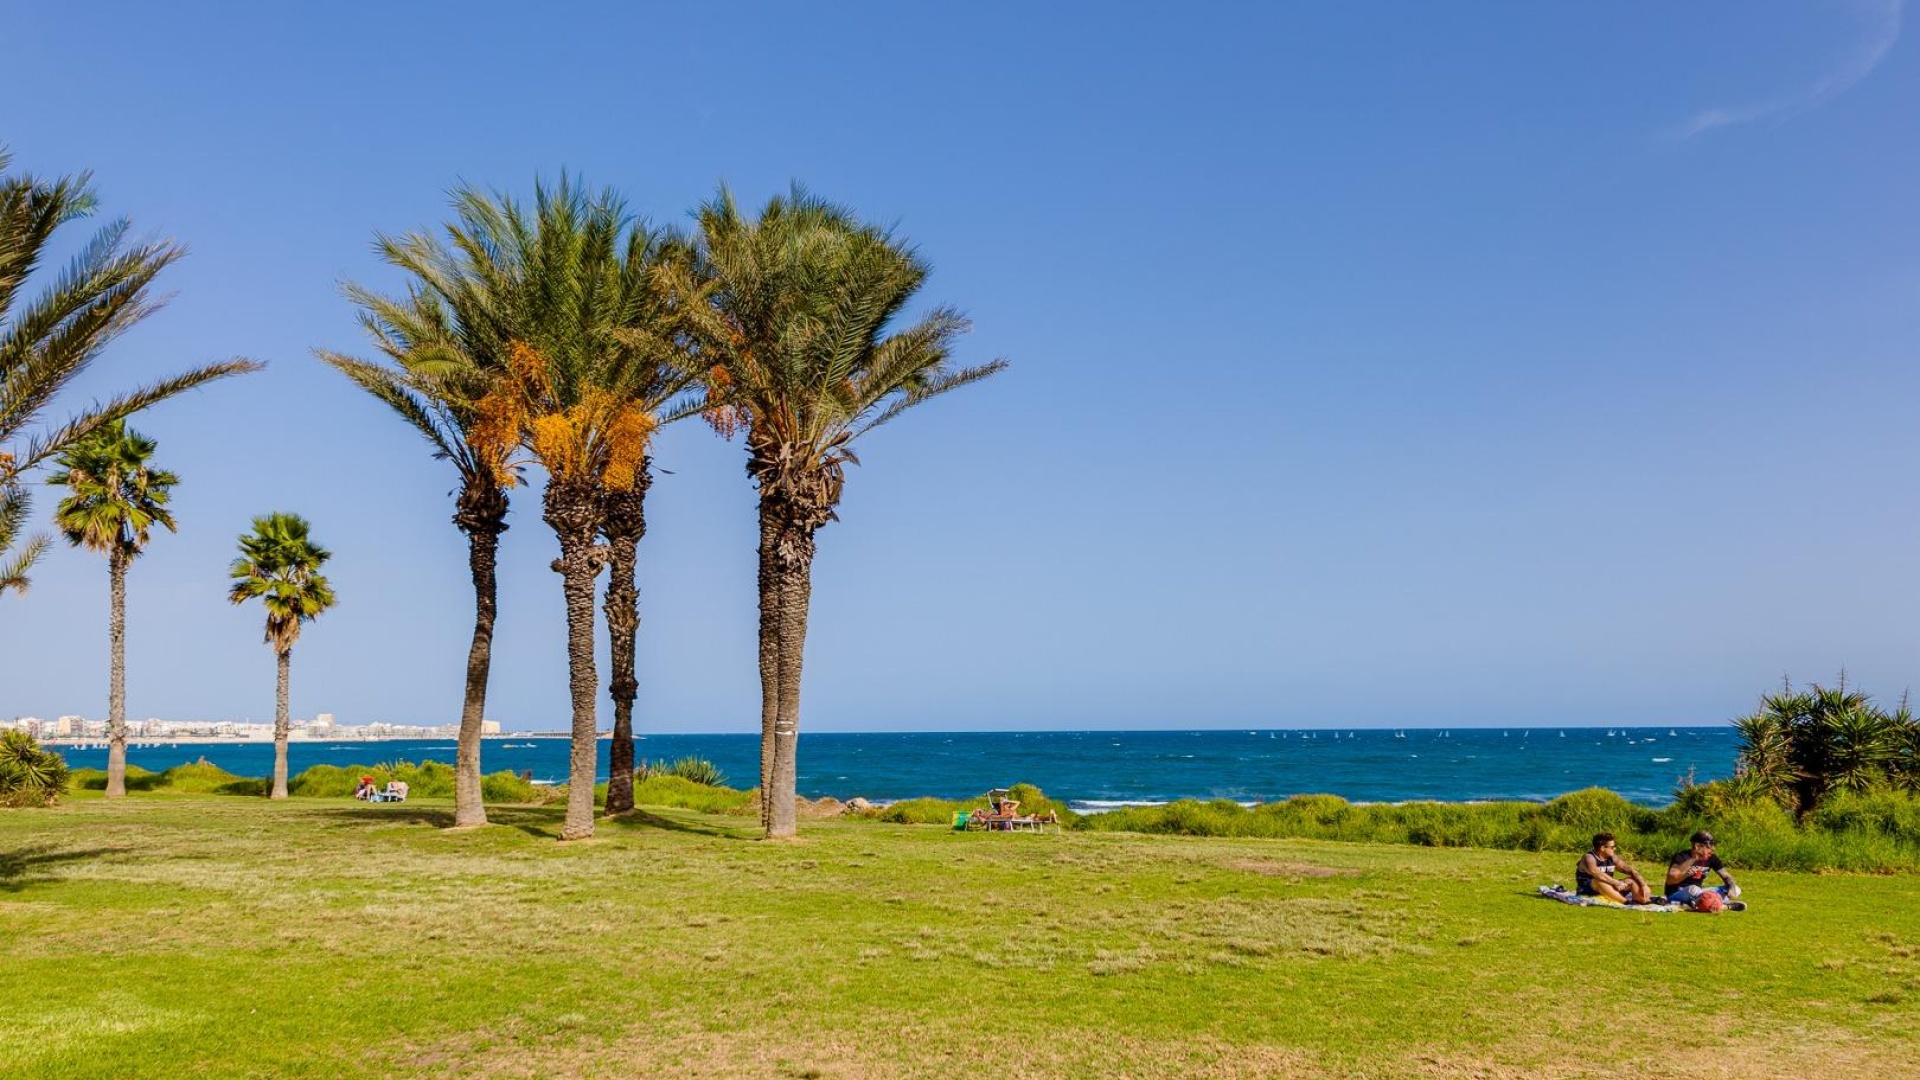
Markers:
point(1595, 810)
point(506, 786)
point(923, 811)
point(672, 790)
point(928, 811)
point(698, 770)
point(1884, 812)
point(29, 775)
point(204, 776)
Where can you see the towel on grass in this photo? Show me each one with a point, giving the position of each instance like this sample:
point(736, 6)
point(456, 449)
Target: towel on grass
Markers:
point(1568, 896)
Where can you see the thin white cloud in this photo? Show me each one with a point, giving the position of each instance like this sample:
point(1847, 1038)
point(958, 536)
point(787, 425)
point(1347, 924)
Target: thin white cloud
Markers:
point(1881, 29)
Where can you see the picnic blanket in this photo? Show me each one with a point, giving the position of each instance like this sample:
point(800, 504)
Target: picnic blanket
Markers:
point(1568, 896)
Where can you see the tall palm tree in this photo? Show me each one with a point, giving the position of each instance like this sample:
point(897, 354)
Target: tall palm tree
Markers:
point(446, 349)
point(280, 565)
point(584, 386)
point(47, 340)
point(805, 356)
point(116, 498)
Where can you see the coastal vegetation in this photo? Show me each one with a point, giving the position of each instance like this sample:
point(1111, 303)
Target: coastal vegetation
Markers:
point(29, 774)
point(279, 565)
point(48, 339)
point(1801, 748)
point(114, 499)
point(885, 950)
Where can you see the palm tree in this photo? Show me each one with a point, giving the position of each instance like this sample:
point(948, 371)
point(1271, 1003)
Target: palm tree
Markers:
point(116, 499)
point(446, 350)
point(49, 339)
point(805, 358)
point(584, 387)
point(280, 565)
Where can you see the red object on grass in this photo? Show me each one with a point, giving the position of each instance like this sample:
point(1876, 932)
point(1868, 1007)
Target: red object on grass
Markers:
point(1709, 903)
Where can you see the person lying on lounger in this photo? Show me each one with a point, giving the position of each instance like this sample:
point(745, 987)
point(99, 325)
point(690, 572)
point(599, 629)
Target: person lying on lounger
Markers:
point(1687, 873)
point(1594, 875)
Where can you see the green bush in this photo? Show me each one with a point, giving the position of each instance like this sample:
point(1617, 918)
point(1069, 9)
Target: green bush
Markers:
point(923, 811)
point(1877, 832)
point(29, 775)
point(928, 811)
point(698, 770)
point(1882, 812)
point(1595, 810)
point(204, 776)
point(506, 786)
point(672, 790)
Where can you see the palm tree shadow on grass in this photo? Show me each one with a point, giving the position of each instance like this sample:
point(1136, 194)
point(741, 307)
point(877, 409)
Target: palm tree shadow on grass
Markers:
point(17, 867)
point(532, 820)
point(645, 819)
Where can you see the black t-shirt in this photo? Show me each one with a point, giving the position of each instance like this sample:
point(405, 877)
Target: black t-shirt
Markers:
point(1699, 872)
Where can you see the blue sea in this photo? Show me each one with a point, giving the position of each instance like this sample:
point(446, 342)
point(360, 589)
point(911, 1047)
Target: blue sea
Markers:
point(1096, 770)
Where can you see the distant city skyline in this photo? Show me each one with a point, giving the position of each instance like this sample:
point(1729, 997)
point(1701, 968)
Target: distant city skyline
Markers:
point(1373, 365)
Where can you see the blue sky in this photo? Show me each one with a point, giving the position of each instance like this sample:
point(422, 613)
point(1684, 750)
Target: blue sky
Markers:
point(1372, 363)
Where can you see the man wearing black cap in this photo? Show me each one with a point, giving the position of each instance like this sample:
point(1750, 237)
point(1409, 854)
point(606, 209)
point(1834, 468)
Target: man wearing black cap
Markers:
point(1687, 874)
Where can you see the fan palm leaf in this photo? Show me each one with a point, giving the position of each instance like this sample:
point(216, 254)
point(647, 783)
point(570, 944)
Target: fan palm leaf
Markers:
point(279, 565)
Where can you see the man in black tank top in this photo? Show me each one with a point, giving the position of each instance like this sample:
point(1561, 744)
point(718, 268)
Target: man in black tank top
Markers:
point(1594, 874)
point(1687, 873)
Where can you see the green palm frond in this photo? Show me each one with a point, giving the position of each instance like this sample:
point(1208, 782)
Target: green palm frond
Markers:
point(49, 338)
point(801, 305)
point(115, 496)
point(279, 565)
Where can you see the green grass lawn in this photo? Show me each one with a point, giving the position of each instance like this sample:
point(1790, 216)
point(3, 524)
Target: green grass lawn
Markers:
point(206, 936)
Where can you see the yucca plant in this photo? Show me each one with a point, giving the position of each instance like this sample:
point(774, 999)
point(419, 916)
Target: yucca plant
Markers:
point(29, 775)
point(1801, 745)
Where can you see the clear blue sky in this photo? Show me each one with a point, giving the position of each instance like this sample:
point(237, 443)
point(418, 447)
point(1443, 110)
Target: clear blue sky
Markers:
point(1373, 363)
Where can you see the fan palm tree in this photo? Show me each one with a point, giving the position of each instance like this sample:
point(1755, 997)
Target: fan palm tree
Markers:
point(280, 565)
point(805, 357)
point(445, 347)
point(47, 340)
point(116, 498)
point(585, 384)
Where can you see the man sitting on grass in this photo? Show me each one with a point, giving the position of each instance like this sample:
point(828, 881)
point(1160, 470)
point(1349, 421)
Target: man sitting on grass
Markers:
point(1594, 874)
point(1687, 874)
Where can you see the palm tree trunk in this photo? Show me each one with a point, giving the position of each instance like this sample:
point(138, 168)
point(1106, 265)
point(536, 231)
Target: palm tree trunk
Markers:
point(770, 607)
point(572, 509)
point(280, 725)
point(482, 514)
point(625, 523)
point(117, 684)
point(793, 573)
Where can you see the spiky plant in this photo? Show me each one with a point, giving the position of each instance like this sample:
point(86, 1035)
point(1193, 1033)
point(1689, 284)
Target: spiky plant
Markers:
point(29, 775)
point(1766, 754)
point(1905, 769)
point(1802, 744)
point(115, 498)
point(47, 340)
point(279, 565)
point(805, 355)
point(1860, 748)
